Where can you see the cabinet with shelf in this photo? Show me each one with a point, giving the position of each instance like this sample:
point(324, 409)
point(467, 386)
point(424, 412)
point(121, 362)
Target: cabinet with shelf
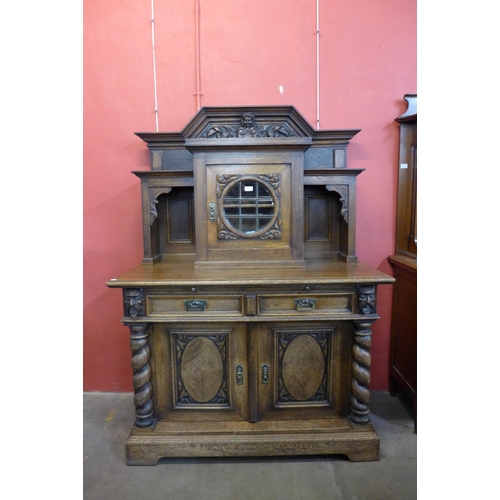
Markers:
point(403, 356)
point(250, 316)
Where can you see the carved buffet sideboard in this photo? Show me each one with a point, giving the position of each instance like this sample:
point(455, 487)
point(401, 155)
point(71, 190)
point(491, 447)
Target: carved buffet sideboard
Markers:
point(250, 316)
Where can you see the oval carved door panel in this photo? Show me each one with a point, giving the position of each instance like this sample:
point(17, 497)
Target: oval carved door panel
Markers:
point(200, 383)
point(303, 367)
point(201, 371)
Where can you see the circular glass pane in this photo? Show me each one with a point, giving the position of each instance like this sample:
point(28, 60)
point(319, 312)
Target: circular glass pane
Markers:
point(249, 207)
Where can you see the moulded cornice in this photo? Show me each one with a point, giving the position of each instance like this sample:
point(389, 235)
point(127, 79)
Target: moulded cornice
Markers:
point(270, 125)
point(162, 140)
point(411, 113)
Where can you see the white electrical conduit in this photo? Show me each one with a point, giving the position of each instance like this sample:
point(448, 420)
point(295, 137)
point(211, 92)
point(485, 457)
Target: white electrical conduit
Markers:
point(198, 77)
point(154, 60)
point(197, 42)
point(317, 64)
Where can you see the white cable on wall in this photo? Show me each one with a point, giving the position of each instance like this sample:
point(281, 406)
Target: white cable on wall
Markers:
point(198, 78)
point(154, 60)
point(317, 64)
point(197, 46)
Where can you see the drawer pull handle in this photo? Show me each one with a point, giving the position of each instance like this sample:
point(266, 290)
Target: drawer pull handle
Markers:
point(305, 304)
point(195, 305)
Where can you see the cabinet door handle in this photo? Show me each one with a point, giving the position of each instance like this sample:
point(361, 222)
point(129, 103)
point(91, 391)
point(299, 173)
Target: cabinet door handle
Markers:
point(265, 374)
point(195, 305)
point(211, 212)
point(239, 375)
point(305, 304)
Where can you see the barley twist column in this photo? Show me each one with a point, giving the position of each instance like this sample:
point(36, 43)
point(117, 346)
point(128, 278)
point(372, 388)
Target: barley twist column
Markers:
point(142, 374)
point(360, 398)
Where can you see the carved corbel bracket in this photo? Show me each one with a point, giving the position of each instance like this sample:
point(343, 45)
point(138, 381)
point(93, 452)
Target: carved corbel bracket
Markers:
point(343, 191)
point(153, 201)
point(366, 299)
point(133, 300)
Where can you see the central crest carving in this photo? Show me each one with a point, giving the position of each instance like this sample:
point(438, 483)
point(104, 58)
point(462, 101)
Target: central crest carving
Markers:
point(248, 128)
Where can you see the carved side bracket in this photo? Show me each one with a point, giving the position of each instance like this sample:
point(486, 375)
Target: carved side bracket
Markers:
point(366, 299)
point(133, 301)
point(343, 191)
point(153, 201)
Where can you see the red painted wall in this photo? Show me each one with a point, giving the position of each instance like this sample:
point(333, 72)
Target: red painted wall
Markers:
point(252, 52)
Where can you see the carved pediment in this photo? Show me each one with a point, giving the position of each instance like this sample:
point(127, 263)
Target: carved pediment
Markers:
point(247, 122)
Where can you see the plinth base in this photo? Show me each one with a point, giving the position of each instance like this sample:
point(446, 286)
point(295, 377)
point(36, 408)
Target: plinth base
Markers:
point(360, 443)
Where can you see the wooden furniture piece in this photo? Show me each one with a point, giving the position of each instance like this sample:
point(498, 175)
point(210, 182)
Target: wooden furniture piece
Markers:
point(250, 317)
point(403, 364)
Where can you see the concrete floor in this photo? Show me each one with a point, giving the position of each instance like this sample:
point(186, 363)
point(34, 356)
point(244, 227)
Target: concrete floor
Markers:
point(108, 417)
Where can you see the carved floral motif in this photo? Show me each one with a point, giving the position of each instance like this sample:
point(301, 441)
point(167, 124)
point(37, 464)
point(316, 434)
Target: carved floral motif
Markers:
point(223, 181)
point(247, 128)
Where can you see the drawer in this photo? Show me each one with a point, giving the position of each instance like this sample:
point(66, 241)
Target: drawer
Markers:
point(188, 306)
point(300, 304)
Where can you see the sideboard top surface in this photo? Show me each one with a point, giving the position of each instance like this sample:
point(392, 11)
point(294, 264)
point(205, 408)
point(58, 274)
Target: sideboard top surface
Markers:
point(182, 273)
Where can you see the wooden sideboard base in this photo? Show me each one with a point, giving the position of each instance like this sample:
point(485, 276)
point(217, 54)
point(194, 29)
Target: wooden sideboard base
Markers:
point(360, 443)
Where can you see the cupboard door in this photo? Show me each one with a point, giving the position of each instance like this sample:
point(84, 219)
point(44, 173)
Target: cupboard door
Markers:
point(204, 373)
point(301, 370)
point(250, 214)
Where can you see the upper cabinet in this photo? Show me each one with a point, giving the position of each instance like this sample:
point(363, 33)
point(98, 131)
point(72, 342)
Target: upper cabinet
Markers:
point(240, 185)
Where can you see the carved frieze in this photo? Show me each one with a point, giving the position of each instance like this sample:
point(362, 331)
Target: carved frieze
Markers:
point(248, 127)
